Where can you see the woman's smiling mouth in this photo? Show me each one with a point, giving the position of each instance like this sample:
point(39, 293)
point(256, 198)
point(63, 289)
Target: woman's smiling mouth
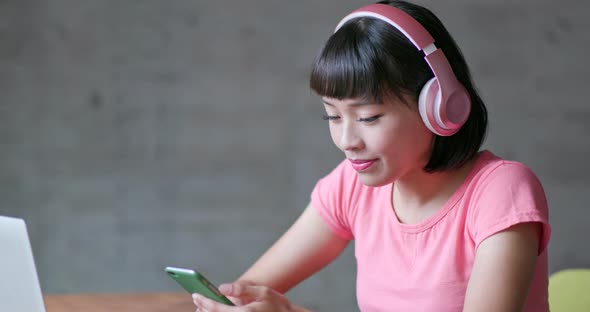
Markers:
point(361, 164)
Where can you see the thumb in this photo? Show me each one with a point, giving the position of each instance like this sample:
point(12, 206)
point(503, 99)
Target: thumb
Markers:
point(244, 291)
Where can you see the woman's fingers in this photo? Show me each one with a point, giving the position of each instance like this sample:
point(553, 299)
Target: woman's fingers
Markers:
point(246, 292)
point(261, 299)
point(229, 289)
point(205, 304)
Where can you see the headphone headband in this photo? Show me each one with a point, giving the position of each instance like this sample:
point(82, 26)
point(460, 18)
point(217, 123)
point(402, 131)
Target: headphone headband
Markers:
point(448, 118)
point(412, 30)
point(397, 18)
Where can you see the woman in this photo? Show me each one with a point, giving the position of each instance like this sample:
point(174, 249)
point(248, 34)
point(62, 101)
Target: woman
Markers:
point(438, 224)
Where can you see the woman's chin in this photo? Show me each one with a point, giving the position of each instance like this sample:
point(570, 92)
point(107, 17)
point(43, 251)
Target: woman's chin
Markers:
point(373, 181)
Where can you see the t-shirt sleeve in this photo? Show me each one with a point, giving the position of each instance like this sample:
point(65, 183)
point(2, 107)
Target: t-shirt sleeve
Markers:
point(511, 194)
point(330, 201)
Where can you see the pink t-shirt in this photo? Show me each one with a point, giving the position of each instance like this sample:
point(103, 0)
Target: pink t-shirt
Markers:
point(426, 266)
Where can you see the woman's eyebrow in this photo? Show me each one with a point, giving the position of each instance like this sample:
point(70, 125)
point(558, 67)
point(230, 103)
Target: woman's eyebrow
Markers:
point(354, 103)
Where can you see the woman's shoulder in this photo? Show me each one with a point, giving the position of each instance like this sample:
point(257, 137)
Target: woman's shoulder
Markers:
point(504, 193)
point(490, 167)
point(497, 181)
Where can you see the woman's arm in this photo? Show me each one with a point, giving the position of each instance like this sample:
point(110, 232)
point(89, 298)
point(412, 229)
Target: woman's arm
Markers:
point(503, 270)
point(304, 249)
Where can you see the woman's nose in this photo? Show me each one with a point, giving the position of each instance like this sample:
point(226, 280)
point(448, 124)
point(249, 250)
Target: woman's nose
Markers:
point(349, 139)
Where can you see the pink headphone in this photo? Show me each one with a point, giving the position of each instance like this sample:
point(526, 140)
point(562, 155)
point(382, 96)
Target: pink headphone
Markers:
point(444, 103)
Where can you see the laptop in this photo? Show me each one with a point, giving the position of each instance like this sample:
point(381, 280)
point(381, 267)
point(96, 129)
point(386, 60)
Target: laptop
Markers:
point(19, 285)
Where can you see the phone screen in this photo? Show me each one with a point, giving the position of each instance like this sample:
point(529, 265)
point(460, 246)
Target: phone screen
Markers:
point(193, 282)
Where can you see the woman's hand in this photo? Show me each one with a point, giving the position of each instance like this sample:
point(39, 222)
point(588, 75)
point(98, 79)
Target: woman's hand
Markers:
point(254, 298)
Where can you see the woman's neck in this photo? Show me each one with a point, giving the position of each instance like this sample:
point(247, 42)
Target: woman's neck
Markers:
point(419, 195)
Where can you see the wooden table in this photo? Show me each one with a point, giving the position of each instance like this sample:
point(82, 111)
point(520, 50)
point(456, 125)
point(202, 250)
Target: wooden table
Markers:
point(140, 302)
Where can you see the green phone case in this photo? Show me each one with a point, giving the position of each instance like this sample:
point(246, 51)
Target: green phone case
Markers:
point(193, 282)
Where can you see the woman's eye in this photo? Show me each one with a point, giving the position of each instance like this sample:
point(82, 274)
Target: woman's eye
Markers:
point(370, 119)
point(330, 117)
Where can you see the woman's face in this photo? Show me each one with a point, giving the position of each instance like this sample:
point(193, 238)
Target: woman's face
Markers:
point(383, 141)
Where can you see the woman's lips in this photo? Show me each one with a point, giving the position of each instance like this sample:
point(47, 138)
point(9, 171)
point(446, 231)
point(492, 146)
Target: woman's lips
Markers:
point(361, 164)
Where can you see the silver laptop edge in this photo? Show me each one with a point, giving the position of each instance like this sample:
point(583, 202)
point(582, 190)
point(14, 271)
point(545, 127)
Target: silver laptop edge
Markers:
point(20, 290)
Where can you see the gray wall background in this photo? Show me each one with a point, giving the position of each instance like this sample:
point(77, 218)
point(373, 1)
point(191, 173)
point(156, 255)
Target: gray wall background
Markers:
point(140, 134)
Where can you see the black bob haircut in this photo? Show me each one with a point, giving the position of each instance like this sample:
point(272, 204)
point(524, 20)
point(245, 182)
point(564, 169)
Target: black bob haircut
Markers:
point(370, 59)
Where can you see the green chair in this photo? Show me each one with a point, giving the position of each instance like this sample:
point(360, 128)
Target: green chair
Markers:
point(569, 291)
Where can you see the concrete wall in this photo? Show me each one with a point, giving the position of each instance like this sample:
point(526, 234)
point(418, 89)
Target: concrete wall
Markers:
point(140, 134)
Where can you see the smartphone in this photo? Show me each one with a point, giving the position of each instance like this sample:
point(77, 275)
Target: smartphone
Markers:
point(193, 282)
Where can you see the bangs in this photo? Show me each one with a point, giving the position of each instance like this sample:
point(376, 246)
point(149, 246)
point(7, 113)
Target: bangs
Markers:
point(350, 66)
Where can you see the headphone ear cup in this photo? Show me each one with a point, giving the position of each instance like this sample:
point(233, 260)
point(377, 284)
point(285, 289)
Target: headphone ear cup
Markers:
point(443, 119)
point(427, 102)
point(457, 108)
